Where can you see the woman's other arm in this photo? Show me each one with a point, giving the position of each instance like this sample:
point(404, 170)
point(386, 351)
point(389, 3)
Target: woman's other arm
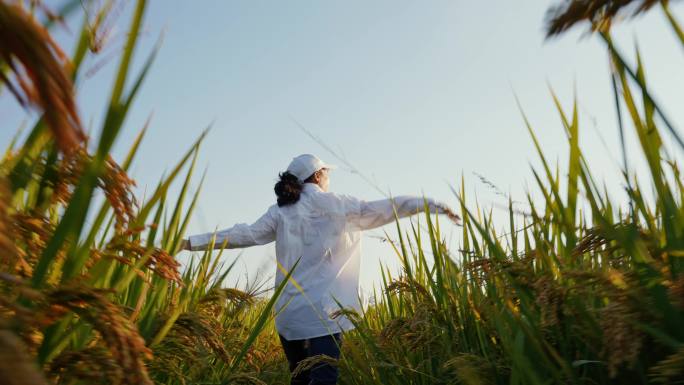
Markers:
point(371, 214)
point(261, 232)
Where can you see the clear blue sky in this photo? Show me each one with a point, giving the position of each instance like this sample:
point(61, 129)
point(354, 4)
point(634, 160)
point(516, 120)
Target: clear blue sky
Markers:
point(414, 94)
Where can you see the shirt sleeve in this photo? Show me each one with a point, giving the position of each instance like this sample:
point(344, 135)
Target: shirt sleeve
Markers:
point(241, 235)
point(366, 215)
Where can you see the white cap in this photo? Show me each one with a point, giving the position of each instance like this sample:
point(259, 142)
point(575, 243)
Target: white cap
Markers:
point(303, 166)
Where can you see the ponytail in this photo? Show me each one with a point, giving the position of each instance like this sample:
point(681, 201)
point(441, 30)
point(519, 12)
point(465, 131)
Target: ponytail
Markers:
point(287, 189)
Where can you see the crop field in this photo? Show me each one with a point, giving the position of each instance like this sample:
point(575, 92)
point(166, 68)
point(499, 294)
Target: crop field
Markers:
point(580, 288)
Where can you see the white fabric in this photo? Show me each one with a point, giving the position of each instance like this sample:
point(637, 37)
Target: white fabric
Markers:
point(303, 166)
point(324, 230)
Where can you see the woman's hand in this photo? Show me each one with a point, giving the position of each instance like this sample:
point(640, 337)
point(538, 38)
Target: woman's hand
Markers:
point(450, 213)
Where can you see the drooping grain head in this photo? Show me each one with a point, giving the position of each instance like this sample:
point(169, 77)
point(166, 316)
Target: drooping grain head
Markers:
point(600, 13)
point(622, 341)
point(17, 366)
point(42, 75)
point(118, 335)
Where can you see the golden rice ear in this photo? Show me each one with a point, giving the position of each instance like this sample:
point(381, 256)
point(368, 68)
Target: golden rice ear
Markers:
point(8, 249)
point(600, 13)
point(42, 74)
point(16, 365)
point(117, 333)
point(309, 362)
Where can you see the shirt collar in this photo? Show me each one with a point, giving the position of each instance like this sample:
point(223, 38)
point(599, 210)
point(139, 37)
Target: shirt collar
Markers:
point(310, 187)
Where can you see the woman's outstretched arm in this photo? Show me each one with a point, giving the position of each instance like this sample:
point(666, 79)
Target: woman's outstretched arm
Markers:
point(261, 232)
point(371, 214)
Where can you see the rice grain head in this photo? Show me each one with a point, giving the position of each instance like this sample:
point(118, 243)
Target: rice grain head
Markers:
point(42, 73)
point(17, 366)
point(600, 13)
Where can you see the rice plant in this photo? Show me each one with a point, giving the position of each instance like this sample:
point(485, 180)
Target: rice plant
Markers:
point(579, 289)
point(91, 290)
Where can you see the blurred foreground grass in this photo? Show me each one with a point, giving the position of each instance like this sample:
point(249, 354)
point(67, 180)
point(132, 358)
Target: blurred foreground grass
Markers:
point(579, 290)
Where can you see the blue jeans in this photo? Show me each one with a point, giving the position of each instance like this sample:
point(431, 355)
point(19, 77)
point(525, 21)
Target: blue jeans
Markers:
point(320, 374)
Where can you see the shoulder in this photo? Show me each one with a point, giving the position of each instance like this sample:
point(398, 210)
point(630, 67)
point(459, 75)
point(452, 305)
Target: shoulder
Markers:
point(333, 197)
point(336, 202)
point(273, 210)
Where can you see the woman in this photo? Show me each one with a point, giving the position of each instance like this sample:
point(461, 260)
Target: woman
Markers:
point(322, 231)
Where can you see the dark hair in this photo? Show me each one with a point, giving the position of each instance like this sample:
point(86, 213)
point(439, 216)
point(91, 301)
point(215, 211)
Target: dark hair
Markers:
point(287, 189)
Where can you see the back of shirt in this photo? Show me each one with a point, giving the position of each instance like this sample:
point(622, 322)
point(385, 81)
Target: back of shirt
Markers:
point(318, 231)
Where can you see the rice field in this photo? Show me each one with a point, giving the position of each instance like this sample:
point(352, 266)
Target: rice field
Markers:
point(579, 289)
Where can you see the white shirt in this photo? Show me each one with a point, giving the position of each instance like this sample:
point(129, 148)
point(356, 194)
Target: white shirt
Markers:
point(324, 230)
